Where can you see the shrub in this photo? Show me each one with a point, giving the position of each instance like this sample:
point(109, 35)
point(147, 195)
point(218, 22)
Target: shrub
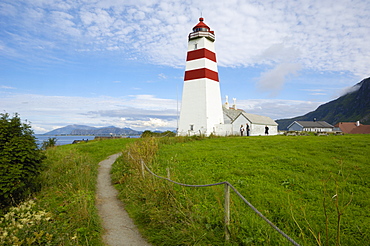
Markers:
point(148, 133)
point(24, 225)
point(51, 142)
point(20, 159)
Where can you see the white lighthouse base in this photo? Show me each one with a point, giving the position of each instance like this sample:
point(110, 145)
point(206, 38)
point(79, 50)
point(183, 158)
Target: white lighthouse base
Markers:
point(201, 108)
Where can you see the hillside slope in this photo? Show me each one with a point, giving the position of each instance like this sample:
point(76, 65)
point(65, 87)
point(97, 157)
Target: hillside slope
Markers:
point(89, 130)
point(354, 106)
point(68, 129)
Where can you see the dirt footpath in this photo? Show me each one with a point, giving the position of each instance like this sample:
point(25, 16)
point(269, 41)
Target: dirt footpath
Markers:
point(119, 229)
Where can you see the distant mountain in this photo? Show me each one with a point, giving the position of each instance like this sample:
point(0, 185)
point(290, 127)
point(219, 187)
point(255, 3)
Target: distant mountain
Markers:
point(106, 131)
point(89, 130)
point(351, 107)
point(68, 129)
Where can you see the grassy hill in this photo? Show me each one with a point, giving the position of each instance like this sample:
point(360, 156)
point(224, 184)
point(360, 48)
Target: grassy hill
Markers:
point(306, 185)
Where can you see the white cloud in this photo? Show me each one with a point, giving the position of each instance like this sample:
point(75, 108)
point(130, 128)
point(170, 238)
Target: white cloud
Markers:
point(155, 123)
point(7, 87)
point(286, 37)
point(318, 94)
point(262, 32)
point(162, 76)
point(277, 108)
point(349, 90)
point(139, 112)
point(49, 112)
point(273, 81)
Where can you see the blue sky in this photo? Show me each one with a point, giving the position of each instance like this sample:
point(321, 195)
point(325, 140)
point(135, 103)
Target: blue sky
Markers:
point(121, 62)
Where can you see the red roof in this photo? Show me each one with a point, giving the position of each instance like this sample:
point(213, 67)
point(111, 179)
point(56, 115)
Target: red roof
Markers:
point(352, 128)
point(362, 129)
point(201, 24)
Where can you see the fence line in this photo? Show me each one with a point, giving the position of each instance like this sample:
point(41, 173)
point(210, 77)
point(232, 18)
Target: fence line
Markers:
point(227, 201)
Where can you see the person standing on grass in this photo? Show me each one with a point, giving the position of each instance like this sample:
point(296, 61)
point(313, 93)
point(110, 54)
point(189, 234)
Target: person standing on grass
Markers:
point(247, 129)
point(241, 130)
point(266, 130)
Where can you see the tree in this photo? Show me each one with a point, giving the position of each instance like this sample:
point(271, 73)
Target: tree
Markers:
point(148, 133)
point(20, 159)
point(51, 142)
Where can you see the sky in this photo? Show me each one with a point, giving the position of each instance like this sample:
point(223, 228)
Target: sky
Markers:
point(121, 62)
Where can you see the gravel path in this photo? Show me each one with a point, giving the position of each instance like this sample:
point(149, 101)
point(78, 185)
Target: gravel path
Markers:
point(119, 230)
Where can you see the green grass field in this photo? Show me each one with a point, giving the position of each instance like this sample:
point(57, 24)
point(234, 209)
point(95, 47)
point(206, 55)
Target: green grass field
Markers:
point(314, 188)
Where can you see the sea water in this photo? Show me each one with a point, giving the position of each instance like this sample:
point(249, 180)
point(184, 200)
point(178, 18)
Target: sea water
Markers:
point(61, 140)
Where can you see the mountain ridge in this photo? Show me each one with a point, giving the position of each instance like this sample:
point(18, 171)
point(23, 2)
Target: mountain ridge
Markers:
point(351, 107)
point(90, 130)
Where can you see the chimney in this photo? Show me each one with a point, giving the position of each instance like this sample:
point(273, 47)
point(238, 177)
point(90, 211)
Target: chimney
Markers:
point(314, 119)
point(227, 102)
point(357, 123)
point(234, 106)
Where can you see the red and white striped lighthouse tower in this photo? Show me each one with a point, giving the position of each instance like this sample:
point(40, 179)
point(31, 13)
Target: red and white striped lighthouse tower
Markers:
point(201, 107)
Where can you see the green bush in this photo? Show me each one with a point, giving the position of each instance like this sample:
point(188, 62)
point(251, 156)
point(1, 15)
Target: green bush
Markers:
point(51, 142)
point(148, 133)
point(20, 160)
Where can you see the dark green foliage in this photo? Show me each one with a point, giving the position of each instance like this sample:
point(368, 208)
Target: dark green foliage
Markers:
point(20, 159)
point(51, 142)
point(148, 133)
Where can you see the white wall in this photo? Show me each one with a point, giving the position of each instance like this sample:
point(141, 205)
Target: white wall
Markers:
point(297, 127)
point(201, 63)
point(241, 120)
point(318, 129)
point(201, 107)
point(223, 130)
point(201, 43)
point(255, 129)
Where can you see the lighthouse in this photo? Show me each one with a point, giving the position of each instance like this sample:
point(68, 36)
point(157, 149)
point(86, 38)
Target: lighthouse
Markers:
point(201, 106)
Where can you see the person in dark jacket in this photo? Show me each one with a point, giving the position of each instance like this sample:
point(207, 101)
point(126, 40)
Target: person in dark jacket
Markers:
point(247, 129)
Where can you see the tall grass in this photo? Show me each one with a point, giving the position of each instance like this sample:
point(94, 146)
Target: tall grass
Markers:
point(67, 197)
point(314, 188)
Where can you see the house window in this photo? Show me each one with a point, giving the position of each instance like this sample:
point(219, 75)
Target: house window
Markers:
point(191, 127)
point(195, 46)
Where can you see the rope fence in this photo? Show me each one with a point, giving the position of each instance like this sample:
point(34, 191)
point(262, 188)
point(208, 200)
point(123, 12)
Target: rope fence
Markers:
point(227, 201)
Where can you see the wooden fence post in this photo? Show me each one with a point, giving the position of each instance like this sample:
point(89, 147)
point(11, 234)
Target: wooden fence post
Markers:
point(142, 168)
point(168, 173)
point(227, 212)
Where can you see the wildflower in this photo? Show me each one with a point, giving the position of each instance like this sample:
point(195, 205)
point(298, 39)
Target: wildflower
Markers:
point(49, 237)
point(30, 240)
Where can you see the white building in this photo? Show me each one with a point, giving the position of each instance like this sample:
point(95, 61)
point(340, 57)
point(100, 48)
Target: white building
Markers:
point(310, 126)
point(257, 123)
point(202, 112)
